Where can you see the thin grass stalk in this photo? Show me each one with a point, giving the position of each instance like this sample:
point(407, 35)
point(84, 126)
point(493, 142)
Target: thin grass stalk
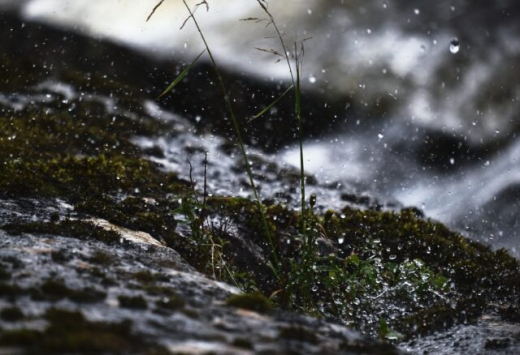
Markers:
point(297, 107)
point(240, 141)
point(285, 51)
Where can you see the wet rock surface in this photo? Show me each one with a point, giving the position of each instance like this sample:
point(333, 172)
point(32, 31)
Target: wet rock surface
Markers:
point(143, 296)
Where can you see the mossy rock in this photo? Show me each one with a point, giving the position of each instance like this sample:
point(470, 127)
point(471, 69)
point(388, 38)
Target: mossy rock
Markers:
point(132, 302)
point(70, 332)
point(251, 301)
point(12, 314)
point(66, 228)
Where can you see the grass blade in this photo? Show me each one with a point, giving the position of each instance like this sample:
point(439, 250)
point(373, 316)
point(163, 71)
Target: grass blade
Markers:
point(271, 105)
point(181, 76)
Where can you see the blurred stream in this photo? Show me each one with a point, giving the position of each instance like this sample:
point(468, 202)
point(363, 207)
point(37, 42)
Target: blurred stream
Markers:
point(440, 79)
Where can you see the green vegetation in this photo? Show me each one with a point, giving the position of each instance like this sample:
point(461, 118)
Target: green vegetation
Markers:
point(70, 332)
point(12, 314)
point(299, 334)
point(171, 303)
point(133, 302)
point(251, 301)
point(69, 228)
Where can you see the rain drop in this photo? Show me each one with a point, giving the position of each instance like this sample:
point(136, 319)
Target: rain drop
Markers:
point(454, 46)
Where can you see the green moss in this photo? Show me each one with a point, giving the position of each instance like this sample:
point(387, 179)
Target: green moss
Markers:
point(132, 302)
point(298, 334)
point(60, 256)
point(68, 228)
point(12, 314)
point(170, 303)
point(102, 258)
point(4, 274)
point(135, 213)
point(144, 277)
point(21, 337)
point(10, 291)
point(251, 301)
point(243, 343)
point(154, 290)
point(75, 178)
point(404, 236)
point(70, 332)
point(55, 290)
point(87, 295)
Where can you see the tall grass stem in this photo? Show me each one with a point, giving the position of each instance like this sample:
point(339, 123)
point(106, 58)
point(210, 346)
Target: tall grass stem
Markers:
point(240, 142)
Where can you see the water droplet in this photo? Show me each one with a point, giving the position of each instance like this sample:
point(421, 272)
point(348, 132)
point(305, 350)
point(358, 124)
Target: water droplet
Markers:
point(454, 46)
point(380, 136)
point(341, 240)
point(312, 79)
point(452, 161)
point(392, 257)
point(417, 11)
point(309, 11)
point(197, 119)
point(369, 31)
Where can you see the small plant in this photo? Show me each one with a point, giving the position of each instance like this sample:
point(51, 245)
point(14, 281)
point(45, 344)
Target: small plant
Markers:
point(234, 120)
point(347, 287)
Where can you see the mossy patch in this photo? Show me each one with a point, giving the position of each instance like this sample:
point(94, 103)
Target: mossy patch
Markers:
point(155, 218)
point(60, 256)
point(132, 302)
point(67, 228)
point(170, 303)
point(243, 343)
point(12, 314)
point(55, 290)
point(74, 177)
point(10, 291)
point(251, 301)
point(298, 334)
point(70, 332)
point(102, 258)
